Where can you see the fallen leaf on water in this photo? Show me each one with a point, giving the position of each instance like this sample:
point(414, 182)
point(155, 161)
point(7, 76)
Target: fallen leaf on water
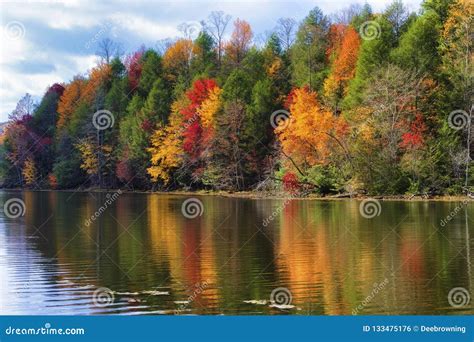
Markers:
point(157, 293)
point(127, 293)
point(282, 307)
point(256, 302)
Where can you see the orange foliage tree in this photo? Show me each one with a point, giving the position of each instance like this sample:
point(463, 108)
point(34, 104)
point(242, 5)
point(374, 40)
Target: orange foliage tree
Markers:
point(68, 101)
point(343, 67)
point(81, 90)
point(312, 133)
point(97, 77)
point(239, 42)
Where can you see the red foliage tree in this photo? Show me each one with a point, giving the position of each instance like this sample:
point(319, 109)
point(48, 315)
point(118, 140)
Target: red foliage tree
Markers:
point(414, 138)
point(290, 182)
point(124, 171)
point(134, 66)
point(147, 125)
point(53, 181)
point(193, 129)
point(56, 88)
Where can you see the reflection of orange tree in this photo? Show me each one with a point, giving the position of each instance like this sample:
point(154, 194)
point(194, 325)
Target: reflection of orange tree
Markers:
point(315, 250)
point(191, 236)
point(207, 258)
point(187, 244)
point(412, 268)
point(304, 256)
point(164, 234)
point(412, 257)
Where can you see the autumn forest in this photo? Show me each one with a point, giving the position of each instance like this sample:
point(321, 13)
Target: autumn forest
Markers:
point(350, 102)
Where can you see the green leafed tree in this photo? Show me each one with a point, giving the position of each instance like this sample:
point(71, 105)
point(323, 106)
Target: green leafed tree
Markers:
point(373, 54)
point(308, 54)
point(418, 47)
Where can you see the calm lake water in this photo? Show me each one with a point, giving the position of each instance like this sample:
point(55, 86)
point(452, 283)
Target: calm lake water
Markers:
point(143, 256)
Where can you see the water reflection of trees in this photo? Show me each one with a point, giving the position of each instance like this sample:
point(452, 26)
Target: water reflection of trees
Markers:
point(326, 253)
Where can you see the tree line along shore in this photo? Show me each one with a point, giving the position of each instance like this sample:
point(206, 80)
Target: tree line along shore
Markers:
point(350, 104)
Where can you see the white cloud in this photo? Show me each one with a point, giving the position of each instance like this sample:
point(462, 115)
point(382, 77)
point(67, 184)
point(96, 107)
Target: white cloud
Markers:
point(15, 85)
point(143, 27)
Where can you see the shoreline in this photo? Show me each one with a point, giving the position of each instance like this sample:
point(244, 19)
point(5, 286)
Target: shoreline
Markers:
point(257, 195)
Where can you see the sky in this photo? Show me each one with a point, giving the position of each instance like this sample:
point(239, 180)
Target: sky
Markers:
point(48, 41)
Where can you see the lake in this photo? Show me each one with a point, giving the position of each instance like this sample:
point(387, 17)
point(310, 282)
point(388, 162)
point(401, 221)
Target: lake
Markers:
point(78, 253)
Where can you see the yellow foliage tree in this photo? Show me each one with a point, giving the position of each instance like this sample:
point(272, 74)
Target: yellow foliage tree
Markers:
point(457, 46)
point(90, 160)
point(167, 146)
point(209, 107)
point(275, 67)
point(178, 57)
point(29, 171)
